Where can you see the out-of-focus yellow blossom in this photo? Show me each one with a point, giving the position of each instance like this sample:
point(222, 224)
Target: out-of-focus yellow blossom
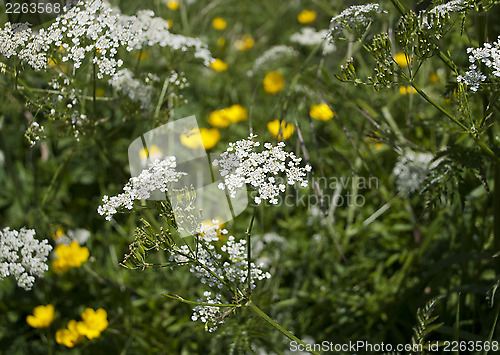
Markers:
point(42, 316)
point(219, 23)
point(406, 90)
point(204, 137)
point(58, 234)
point(402, 60)
point(287, 129)
point(434, 78)
point(221, 42)
point(142, 55)
point(69, 256)
point(52, 62)
point(306, 16)
point(273, 82)
point(170, 24)
point(375, 140)
point(99, 92)
point(233, 114)
point(70, 336)
point(321, 112)
point(173, 4)
point(210, 223)
point(217, 118)
point(94, 322)
point(244, 43)
point(218, 65)
point(154, 151)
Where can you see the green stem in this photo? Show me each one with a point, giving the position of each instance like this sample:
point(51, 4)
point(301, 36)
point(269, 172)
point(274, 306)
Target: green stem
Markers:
point(249, 253)
point(275, 325)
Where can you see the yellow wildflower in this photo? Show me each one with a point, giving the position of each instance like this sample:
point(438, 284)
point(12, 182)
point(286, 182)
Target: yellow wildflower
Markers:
point(173, 4)
point(94, 322)
point(198, 138)
point(217, 118)
point(219, 23)
point(170, 24)
point(142, 55)
point(59, 233)
point(235, 113)
point(244, 43)
point(286, 131)
point(42, 316)
point(70, 336)
point(402, 60)
point(306, 16)
point(218, 65)
point(52, 62)
point(69, 256)
point(273, 82)
point(321, 112)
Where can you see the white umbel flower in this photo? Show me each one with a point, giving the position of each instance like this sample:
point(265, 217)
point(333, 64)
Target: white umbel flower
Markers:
point(22, 256)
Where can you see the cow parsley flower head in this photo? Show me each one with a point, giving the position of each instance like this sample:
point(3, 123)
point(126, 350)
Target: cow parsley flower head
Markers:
point(411, 170)
point(489, 56)
point(240, 164)
point(308, 36)
point(22, 256)
point(156, 177)
point(354, 19)
point(437, 16)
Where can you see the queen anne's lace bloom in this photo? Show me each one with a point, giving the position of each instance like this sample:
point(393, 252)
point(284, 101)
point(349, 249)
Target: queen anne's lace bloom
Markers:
point(355, 19)
point(94, 27)
point(489, 56)
point(411, 170)
point(309, 37)
point(157, 177)
point(23, 256)
point(212, 271)
point(240, 165)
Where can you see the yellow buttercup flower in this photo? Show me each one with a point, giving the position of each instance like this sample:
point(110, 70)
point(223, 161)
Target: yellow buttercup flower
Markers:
point(173, 4)
point(235, 113)
point(69, 256)
point(218, 65)
point(219, 23)
point(273, 82)
point(286, 131)
point(170, 23)
point(94, 322)
point(321, 112)
point(217, 118)
point(244, 43)
point(59, 233)
point(198, 138)
point(142, 55)
point(402, 60)
point(70, 336)
point(52, 62)
point(42, 316)
point(306, 16)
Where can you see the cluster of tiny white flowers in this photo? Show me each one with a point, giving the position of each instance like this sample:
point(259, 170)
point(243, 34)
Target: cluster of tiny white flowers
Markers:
point(309, 37)
point(437, 16)
point(138, 91)
point(211, 316)
point(240, 165)
point(355, 18)
point(156, 177)
point(261, 248)
point(411, 170)
point(489, 55)
point(95, 27)
point(233, 270)
point(23, 256)
point(273, 55)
